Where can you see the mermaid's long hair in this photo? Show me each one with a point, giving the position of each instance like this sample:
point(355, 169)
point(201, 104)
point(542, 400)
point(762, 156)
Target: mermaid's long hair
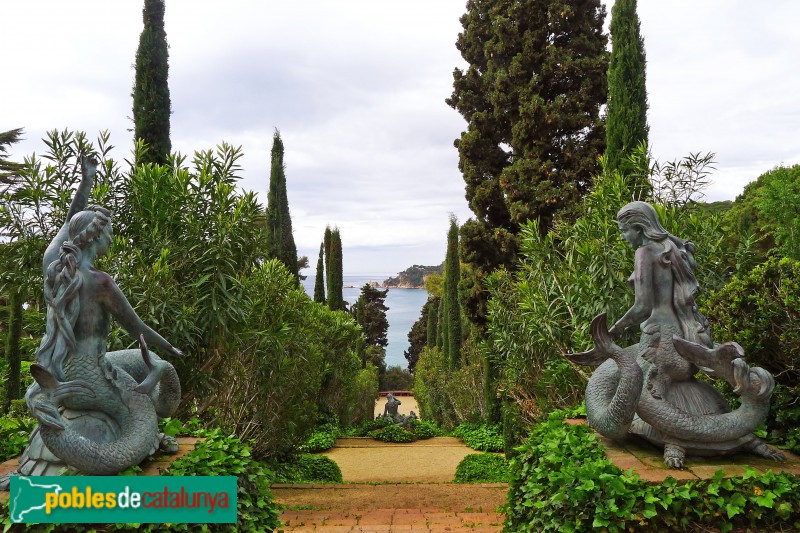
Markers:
point(61, 286)
point(679, 255)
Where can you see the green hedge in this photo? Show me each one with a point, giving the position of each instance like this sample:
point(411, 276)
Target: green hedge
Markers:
point(308, 468)
point(482, 468)
point(562, 481)
point(481, 437)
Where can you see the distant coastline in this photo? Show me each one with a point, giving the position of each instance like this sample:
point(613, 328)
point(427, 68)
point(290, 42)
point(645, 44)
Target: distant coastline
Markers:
point(412, 278)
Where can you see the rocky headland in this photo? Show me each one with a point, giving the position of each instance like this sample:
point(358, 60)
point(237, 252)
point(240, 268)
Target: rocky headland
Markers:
point(413, 277)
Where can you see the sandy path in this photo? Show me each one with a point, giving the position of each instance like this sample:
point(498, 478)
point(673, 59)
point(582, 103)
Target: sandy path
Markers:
point(365, 460)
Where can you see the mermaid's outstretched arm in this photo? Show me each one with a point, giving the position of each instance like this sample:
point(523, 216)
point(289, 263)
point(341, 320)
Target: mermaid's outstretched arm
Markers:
point(118, 306)
point(79, 202)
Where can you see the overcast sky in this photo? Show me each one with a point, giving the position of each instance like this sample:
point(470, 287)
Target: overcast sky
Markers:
point(357, 90)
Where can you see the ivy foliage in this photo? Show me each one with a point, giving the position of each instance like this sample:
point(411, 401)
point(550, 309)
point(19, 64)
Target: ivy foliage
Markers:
point(481, 437)
point(308, 468)
point(482, 468)
point(393, 433)
point(562, 481)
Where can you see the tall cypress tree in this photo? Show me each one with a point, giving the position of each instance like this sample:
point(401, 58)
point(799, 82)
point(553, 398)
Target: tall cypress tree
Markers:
point(151, 103)
point(280, 241)
point(433, 319)
point(319, 279)
point(335, 276)
point(531, 96)
point(326, 242)
point(626, 118)
point(452, 316)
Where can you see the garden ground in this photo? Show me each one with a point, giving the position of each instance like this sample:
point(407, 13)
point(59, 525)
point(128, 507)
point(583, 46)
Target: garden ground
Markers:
point(394, 487)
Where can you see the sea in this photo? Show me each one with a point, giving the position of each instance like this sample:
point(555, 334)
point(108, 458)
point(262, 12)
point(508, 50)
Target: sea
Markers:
point(404, 306)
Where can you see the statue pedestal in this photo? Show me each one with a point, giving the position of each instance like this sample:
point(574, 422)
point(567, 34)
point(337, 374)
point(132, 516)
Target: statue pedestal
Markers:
point(150, 467)
point(648, 461)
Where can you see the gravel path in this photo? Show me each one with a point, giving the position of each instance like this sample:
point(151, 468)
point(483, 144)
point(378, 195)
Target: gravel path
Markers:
point(366, 460)
point(394, 487)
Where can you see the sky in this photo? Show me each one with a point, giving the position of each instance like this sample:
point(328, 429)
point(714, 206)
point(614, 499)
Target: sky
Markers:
point(357, 89)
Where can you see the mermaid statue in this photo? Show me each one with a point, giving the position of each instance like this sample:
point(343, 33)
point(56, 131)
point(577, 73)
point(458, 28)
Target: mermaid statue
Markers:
point(97, 412)
point(651, 389)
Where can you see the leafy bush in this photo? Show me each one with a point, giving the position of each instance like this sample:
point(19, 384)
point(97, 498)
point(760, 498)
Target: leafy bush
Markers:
point(14, 433)
point(562, 481)
point(364, 429)
point(761, 311)
point(308, 468)
point(393, 433)
point(481, 437)
point(319, 442)
point(449, 396)
point(221, 455)
point(482, 468)
point(422, 429)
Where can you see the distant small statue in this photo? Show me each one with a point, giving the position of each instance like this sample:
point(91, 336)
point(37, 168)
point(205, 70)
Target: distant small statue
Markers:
point(650, 389)
point(390, 409)
point(98, 412)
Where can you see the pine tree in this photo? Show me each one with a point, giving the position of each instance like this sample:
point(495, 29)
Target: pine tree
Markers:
point(151, 102)
point(319, 279)
point(8, 169)
point(452, 316)
point(370, 312)
point(280, 241)
point(531, 96)
point(335, 276)
point(626, 114)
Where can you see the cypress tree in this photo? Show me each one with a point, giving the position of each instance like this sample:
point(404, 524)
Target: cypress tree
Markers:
point(531, 96)
point(433, 319)
point(335, 276)
point(280, 241)
point(151, 102)
point(626, 114)
point(452, 274)
point(441, 328)
point(326, 242)
point(319, 279)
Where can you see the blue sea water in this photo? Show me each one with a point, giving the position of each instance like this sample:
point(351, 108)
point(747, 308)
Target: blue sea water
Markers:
point(404, 308)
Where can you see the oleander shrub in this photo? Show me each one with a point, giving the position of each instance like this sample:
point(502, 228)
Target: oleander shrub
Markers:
point(482, 468)
point(562, 481)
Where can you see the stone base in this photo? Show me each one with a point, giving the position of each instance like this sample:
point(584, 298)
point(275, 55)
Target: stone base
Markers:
point(150, 467)
point(647, 460)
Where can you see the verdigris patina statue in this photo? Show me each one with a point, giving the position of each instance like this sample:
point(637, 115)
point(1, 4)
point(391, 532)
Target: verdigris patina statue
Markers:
point(390, 409)
point(650, 389)
point(98, 412)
